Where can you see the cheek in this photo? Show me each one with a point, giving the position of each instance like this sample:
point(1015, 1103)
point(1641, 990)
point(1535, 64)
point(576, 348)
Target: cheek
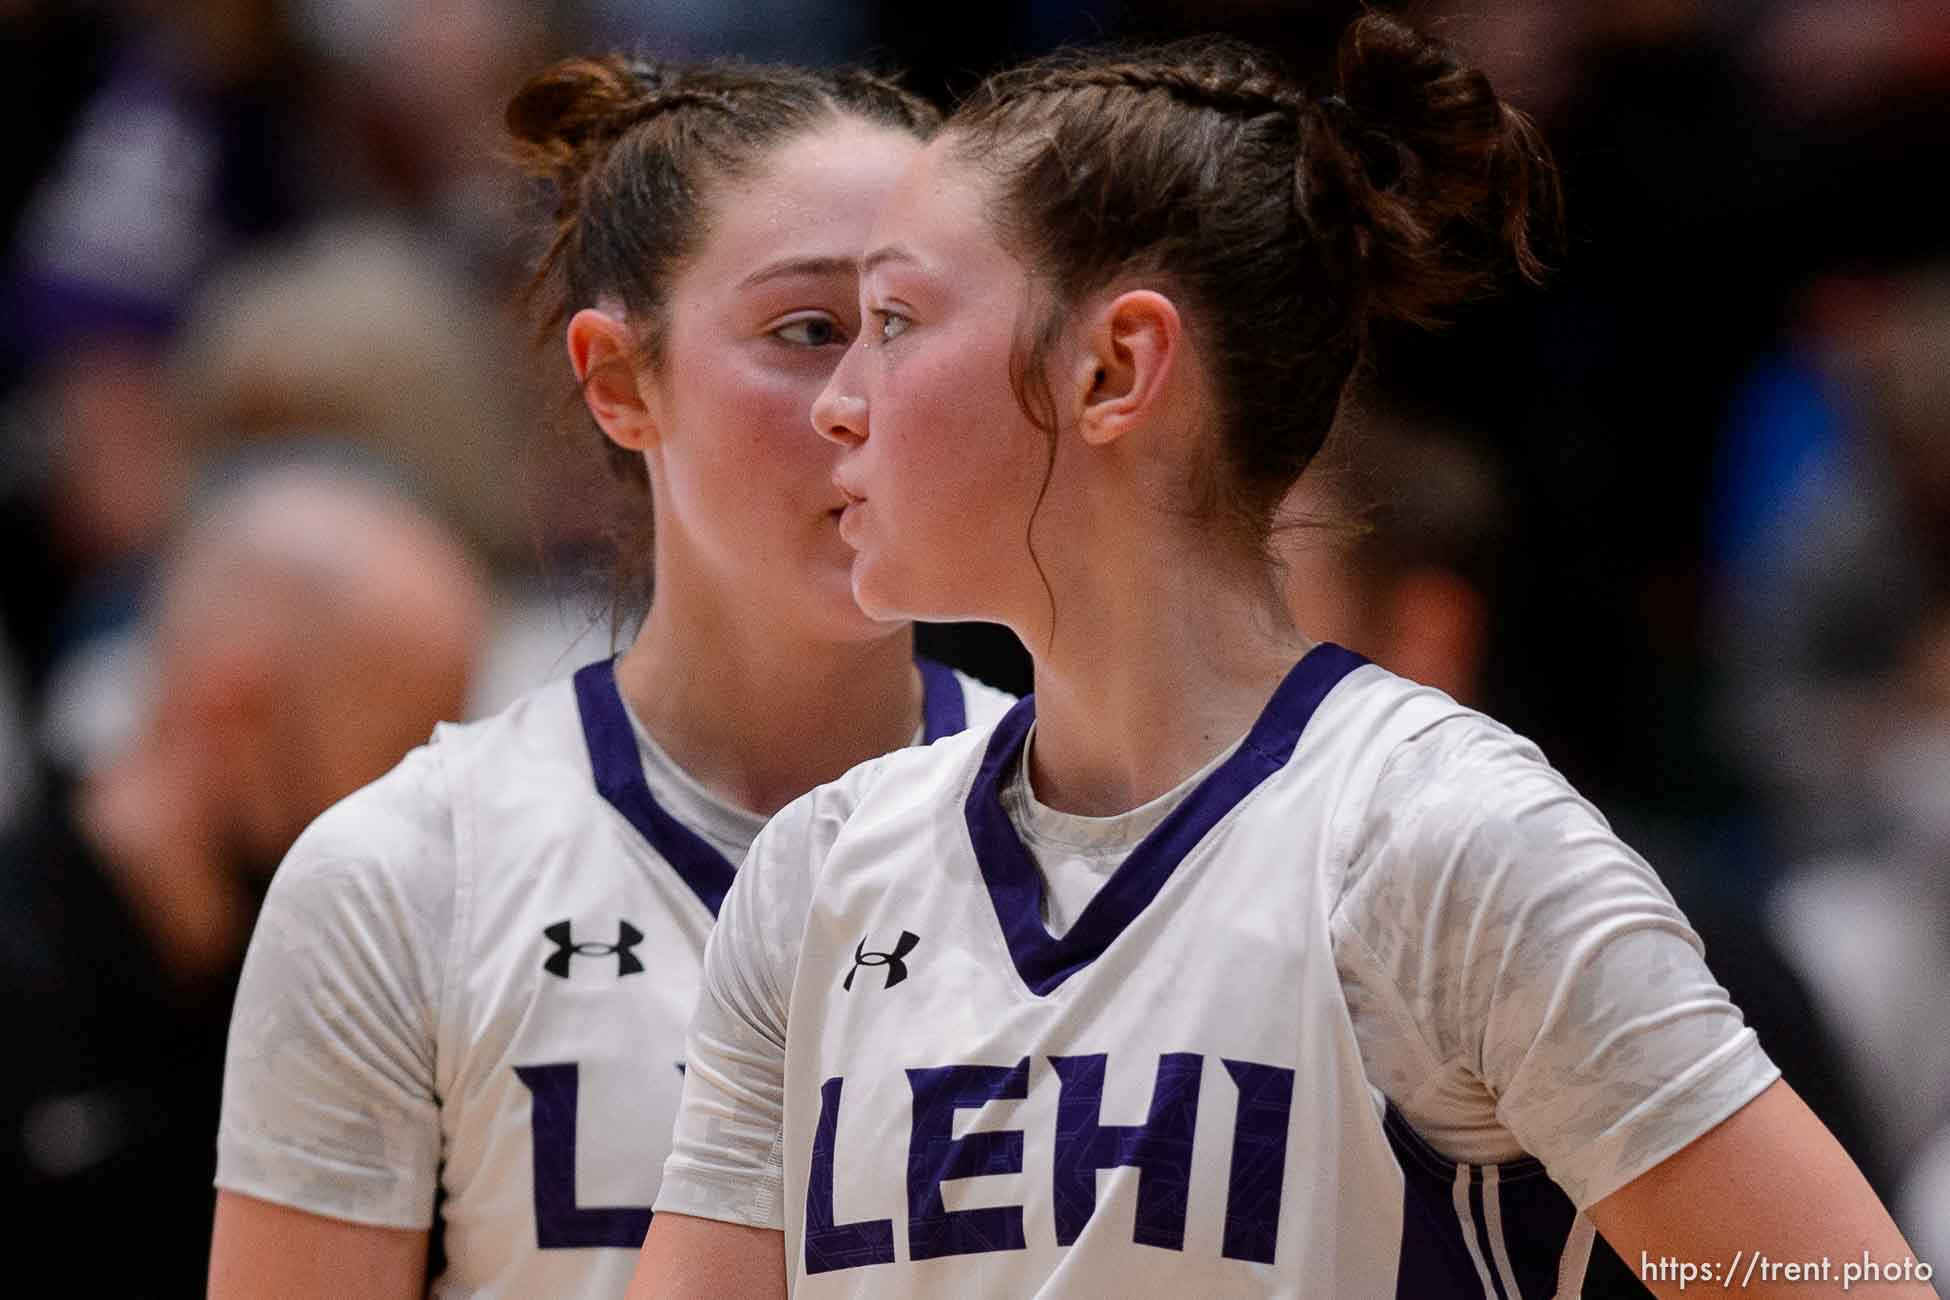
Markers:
point(755, 423)
point(964, 461)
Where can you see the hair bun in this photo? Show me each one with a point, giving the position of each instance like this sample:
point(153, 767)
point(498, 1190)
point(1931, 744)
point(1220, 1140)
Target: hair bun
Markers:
point(573, 102)
point(1432, 164)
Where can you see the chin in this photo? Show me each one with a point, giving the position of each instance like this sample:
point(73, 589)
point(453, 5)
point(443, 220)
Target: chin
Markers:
point(876, 610)
point(871, 594)
point(884, 598)
point(841, 617)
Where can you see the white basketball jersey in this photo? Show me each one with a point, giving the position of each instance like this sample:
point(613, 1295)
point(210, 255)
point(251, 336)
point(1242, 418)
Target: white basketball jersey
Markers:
point(580, 909)
point(1166, 1101)
point(587, 931)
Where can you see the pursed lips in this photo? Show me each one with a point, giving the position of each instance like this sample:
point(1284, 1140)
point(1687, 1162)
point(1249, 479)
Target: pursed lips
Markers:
point(849, 509)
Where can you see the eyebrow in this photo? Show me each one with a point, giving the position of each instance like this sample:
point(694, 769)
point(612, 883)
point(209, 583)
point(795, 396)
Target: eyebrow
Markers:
point(799, 266)
point(881, 256)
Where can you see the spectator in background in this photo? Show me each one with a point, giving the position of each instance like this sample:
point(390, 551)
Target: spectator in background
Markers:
point(1840, 644)
point(1394, 545)
point(201, 133)
point(1831, 595)
point(407, 111)
point(363, 330)
point(312, 626)
point(370, 330)
point(1698, 207)
point(173, 159)
point(1870, 933)
point(357, 329)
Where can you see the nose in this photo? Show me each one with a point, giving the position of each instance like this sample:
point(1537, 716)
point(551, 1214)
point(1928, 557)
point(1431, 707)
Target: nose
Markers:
point(839, 414)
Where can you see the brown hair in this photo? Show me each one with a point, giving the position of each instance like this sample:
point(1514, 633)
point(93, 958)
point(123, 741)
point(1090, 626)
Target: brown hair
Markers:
point(1288, 224)
point(627, 152)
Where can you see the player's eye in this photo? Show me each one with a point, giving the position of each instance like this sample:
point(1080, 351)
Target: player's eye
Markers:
point(892, 325)
point(810, 332)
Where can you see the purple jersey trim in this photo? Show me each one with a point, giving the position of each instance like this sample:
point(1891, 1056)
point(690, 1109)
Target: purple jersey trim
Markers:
point(619, 770)
point(1534, 1216)
point(619, 779)
point(943, 711)
point(1015, 884)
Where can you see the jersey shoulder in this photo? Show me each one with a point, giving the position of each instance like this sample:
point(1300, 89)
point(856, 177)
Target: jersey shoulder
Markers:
point(1378, 730)
point(1377, 753)
point(401, 834)
point(1453, 771)
point(397, 825)
point(538, 736)
point(1371, 711)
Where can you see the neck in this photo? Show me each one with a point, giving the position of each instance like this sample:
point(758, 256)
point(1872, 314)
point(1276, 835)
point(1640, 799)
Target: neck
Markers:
point(167, 862)
point(1164, 652)
point(759, 715)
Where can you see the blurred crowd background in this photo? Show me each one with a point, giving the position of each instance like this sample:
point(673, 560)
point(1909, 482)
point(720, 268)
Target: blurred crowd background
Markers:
point(278, 489)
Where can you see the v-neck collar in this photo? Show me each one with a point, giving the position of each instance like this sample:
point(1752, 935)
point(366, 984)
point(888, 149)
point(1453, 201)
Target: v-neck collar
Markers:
point(1015, 885)
point(618, 769)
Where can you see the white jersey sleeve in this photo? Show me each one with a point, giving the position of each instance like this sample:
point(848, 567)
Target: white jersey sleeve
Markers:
point(726, 1159)
point(1518, 978)
point(727, 1152)
point(329, 1098)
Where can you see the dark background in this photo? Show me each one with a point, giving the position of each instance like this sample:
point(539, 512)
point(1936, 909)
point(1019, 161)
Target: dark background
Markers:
point(1717, 588)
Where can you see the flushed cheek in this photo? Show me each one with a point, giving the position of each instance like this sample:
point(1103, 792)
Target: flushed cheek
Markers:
point(945, 514)
point(780, 444)
point(939, 412)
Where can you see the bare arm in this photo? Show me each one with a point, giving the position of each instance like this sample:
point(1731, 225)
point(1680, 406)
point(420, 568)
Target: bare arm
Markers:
point(695, 1259)
point(1768, 1185)
point(262, 1249)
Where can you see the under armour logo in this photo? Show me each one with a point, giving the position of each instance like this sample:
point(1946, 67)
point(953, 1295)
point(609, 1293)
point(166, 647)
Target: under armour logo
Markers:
point(627, 937)
point(896, 968)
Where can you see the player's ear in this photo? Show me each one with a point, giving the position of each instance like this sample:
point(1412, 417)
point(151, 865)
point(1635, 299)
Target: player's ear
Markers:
point(616, 390)
point(1126, 364)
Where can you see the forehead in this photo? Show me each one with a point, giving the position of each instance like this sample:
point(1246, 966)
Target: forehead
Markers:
point(816, 194)
point(938, 212)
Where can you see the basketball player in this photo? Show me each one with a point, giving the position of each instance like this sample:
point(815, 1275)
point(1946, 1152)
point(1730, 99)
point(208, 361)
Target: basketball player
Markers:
point(460, 1031)
point(1229, 964)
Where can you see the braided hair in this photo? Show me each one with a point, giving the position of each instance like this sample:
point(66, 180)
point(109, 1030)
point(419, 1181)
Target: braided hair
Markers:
point(1289, 224)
